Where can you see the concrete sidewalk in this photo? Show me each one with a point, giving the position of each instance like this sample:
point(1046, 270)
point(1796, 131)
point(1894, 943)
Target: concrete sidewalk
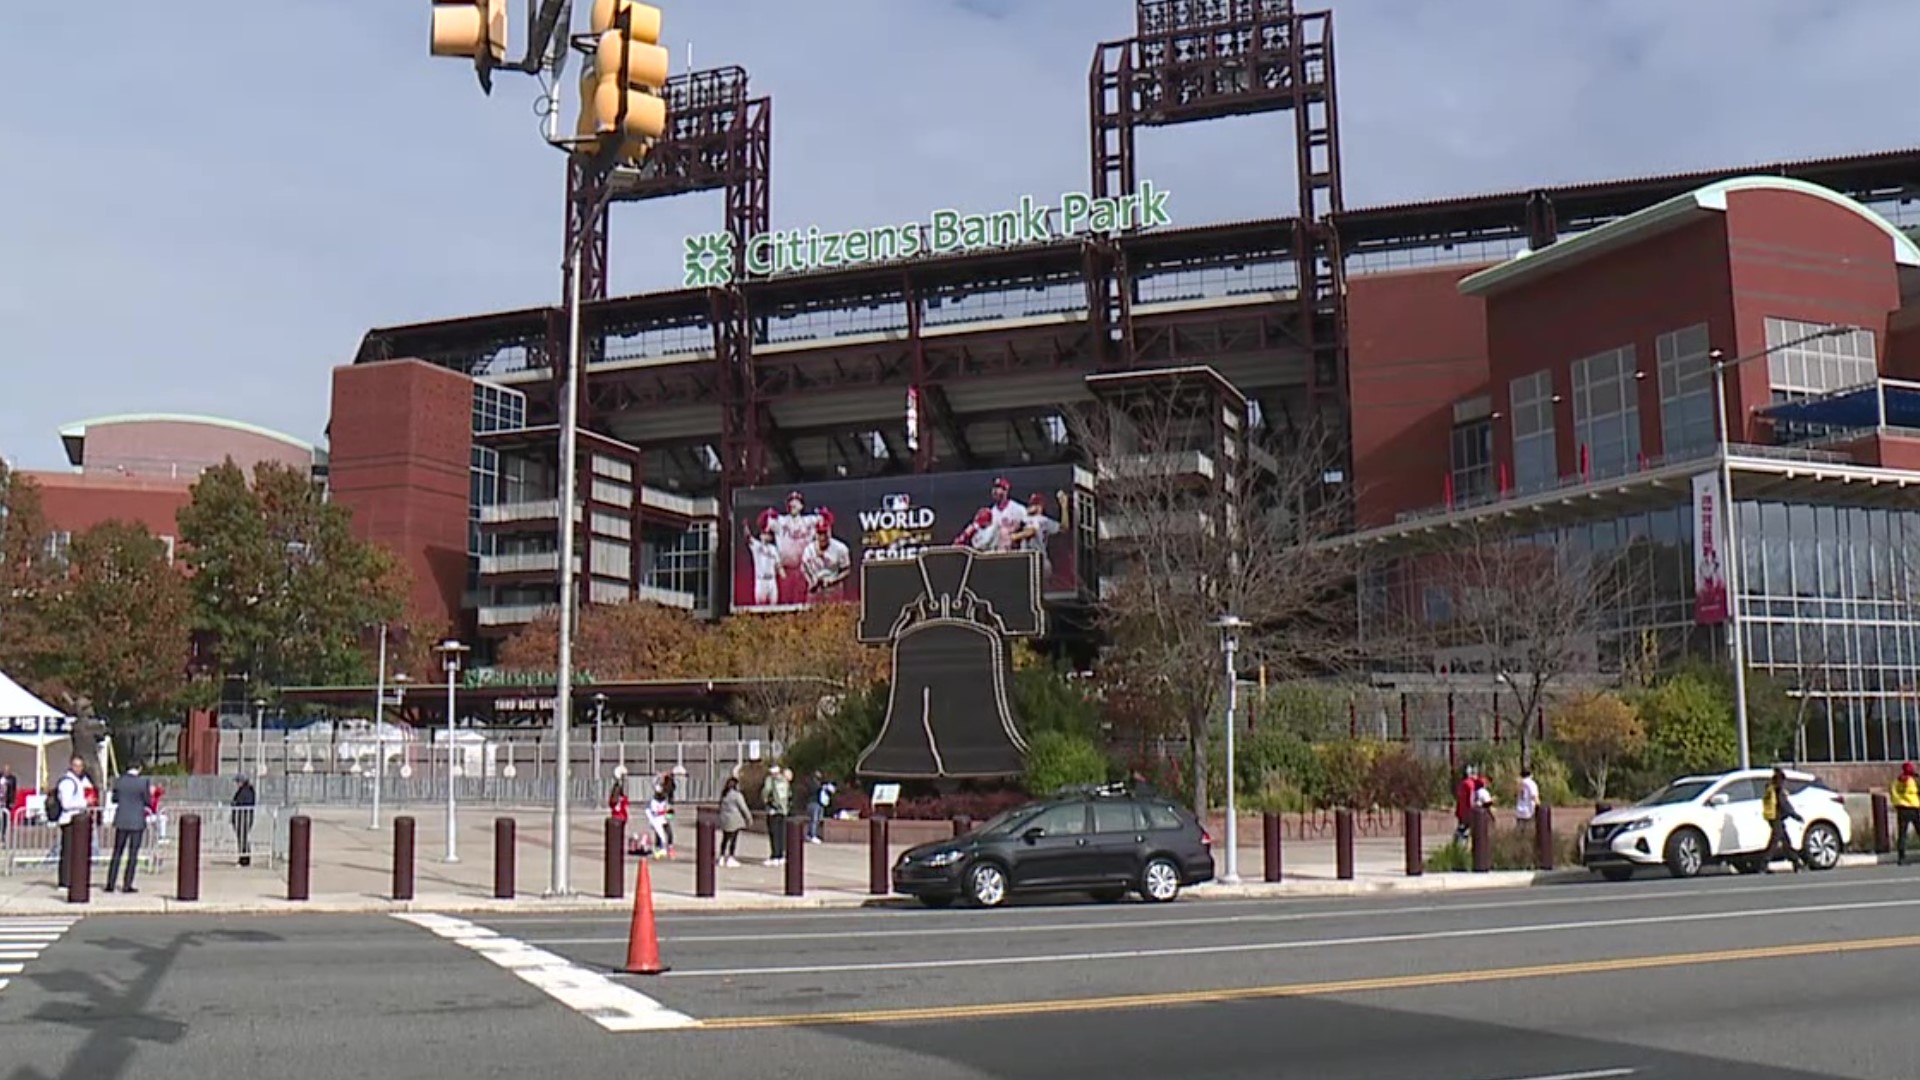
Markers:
point(352, 872)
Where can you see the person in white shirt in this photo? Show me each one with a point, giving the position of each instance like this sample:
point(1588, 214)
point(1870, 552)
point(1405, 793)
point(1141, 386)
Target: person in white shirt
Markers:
point(1038, 530)
point(1008, 516)
point(827, 565)
point(793, 532)
point(765, 551)
point(1529, 800)
point(981, 534)
point(72, 791)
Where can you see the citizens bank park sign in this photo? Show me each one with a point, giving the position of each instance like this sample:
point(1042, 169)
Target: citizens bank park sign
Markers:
point(709, 257)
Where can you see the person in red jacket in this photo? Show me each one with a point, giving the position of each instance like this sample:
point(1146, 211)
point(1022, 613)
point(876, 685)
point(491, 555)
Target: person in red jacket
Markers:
point(1463, 798)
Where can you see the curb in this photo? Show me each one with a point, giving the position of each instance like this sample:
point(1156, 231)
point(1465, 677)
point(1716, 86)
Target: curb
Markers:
point(1296, 888)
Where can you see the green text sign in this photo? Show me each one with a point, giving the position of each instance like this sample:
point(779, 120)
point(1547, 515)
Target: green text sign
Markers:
point(710, 256)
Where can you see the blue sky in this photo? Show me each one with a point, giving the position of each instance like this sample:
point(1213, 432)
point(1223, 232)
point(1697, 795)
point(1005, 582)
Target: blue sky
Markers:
point(194, 219)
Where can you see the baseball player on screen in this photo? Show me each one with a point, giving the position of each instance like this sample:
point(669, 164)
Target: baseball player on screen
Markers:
point(766, 561)
point(794, 531)
point(827, 563)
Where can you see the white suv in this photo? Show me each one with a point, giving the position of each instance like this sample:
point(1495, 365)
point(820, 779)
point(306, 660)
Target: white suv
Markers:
point(1697, 820)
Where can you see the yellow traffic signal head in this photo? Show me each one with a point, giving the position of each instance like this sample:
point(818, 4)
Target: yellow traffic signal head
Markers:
point(646, 114)
point(645, 65)
point(643, 21)
point(476, 29)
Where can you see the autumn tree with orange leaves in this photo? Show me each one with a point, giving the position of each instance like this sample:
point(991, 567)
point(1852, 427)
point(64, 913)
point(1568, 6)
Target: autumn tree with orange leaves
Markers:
point(788, 663)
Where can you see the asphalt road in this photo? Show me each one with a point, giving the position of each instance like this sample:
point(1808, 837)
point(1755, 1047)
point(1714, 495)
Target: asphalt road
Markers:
point(1757, 978)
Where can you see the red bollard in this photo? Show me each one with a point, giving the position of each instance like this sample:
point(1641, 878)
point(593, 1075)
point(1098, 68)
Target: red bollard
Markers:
point(1543, 837)
point(1343, 844)
point(403, 828)
point(879, 876)
point(1481, 830)
point(503, 858)
point(299, 857)
point(706, 853)
point(1882, 823)
point(962, 825)
point(1416, 844)
point(615, 883)
point(78, 853)
point(796, 856)
point(1271, 838)
point(187, 874)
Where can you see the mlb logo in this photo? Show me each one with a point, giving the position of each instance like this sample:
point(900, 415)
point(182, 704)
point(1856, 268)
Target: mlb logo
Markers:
point(896, 502)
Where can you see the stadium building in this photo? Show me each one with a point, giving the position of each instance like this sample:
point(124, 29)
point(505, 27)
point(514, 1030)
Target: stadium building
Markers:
point(1536, 352)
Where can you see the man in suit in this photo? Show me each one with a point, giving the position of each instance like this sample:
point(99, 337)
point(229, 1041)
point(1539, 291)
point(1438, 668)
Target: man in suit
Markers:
point(9, 791)
point(132, 795)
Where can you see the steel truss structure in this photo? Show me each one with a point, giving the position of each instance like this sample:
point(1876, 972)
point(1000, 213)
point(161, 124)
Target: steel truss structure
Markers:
point(808, 376)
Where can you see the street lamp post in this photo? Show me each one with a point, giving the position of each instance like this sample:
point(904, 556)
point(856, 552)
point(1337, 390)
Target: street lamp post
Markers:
point(451, 651)
point(1730, 559)
point(260, 738)
point(1230, 627)
point(599, 717)
point(379, 721)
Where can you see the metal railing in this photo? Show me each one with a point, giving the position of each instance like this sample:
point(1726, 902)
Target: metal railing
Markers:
point(33, 844)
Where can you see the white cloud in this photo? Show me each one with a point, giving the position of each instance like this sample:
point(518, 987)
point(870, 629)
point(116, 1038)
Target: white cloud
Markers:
point(197, 217)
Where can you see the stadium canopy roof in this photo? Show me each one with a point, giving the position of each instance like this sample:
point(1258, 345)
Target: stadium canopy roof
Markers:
point(1664, 217)
point(1886, 404)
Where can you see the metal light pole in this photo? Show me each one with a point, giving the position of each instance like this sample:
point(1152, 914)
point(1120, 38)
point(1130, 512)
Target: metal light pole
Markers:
point(1230, 627)
point(451, 650)
point(599, 715)
point(260, 738)
point(1730, 559)
point(379, 723)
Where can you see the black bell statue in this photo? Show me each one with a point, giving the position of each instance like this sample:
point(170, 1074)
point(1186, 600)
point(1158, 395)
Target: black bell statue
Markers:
point(950, 614)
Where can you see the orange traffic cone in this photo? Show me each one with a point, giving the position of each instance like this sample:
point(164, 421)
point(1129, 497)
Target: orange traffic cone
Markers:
point(643, 947)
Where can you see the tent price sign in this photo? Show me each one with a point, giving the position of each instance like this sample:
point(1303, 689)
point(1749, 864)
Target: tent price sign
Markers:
point(709, 257)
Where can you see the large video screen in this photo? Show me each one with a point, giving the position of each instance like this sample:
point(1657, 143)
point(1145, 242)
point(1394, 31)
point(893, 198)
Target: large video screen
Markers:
point(798, 546)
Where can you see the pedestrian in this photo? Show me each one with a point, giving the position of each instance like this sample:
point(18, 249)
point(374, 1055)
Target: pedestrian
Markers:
point(735, 815)
point(1777, 807)
point(132, 802)
point(818, 805)
point(777, 793)
point(1463, 794)
point(660, 817)
point(9, 791)
point(244, 800)
point(1528, 801)
point(1906, 805)
point(70, 802)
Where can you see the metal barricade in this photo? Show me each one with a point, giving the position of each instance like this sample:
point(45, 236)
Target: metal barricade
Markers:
point(32, 845)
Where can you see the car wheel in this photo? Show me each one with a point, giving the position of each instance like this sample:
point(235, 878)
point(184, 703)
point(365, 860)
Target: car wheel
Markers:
point(1109, 896)
point(1752, 864)
point(1686, 853)
point(987, 885)
point(1160, 881)
point(1616, 873)
point(937, 901)
point(1821, 847)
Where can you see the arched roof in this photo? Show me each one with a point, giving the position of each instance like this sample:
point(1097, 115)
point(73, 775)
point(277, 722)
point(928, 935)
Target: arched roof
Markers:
point(1668, 215)
point(74, 435)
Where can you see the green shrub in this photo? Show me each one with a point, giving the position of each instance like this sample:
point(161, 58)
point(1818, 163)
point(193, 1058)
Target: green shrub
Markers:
point(1044, 699)
point(1401, 781)
point(1057, 759)
point(1513, 849)
point(1689, 727)
point(1500, 764)
point(833, 745)
point(1346, 773)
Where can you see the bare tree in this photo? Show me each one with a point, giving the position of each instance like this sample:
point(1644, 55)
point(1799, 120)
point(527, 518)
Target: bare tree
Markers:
point(1192, 530)
point(1530, 614)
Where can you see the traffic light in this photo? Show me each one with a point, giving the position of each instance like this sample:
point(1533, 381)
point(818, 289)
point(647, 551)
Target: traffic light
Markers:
point(476, 29)
point(629, 71)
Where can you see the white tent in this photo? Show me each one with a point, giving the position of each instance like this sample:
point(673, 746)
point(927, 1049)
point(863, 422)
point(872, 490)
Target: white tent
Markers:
point(27, 721)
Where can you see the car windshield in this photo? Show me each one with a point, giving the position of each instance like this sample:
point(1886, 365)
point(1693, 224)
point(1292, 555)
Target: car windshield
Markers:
point(1681, 791)
point(1008, 821)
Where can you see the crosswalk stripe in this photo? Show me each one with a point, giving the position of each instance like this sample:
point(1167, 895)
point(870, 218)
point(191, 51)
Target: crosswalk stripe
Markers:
point(18, 954)
point(23, 940)
point(11, 969)
point(589, 993)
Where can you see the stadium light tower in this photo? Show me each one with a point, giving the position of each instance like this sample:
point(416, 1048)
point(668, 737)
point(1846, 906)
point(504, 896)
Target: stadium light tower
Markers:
point(622, 113)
